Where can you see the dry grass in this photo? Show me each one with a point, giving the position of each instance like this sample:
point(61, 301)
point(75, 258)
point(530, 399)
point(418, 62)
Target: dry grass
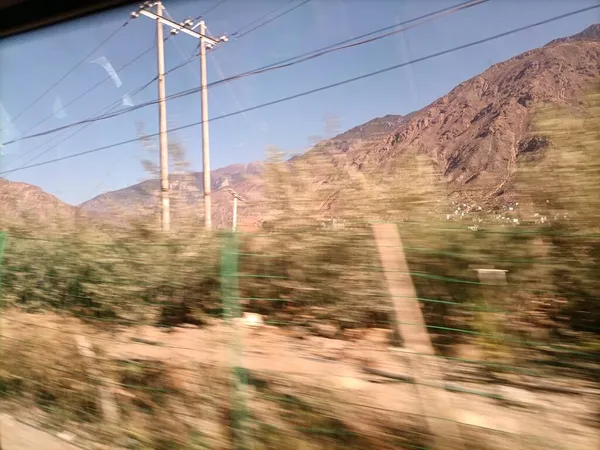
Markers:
point(43, 369)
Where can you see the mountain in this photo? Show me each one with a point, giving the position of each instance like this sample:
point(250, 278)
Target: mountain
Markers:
point(477, 131)
point(474, 134)
point(186, 194)
point(186, 190)
point(591, 33)
point(22, 203)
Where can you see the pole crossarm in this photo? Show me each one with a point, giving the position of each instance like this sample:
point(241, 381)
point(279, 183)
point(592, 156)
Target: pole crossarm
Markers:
point(206, 42)
point(177, 27)
point(236, 195)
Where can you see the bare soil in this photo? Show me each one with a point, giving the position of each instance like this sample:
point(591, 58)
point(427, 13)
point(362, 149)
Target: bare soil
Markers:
point(360, 373)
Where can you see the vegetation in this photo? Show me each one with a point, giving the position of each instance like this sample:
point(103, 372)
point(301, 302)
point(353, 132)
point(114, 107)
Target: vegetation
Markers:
point(302, 270)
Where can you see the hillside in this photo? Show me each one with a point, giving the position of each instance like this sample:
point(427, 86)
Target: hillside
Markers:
point(474, 134)
point(22, 203)
point(186, 194)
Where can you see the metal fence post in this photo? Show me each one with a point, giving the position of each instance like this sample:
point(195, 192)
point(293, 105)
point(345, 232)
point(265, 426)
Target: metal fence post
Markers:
point(3, 238)
point(231, 308)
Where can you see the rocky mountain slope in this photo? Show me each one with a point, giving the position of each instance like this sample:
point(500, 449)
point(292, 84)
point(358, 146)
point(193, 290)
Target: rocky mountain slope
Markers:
point(474, 134)
point(22, 203)
point(246, 179)
point(186, 194)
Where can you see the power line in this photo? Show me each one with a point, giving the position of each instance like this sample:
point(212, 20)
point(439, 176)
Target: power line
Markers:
point(83, 94)
point(112, 106)
point(280, 65)
point(272, 19)
point(70, 71)
point(193, 57)
point(90, 120)
point(216, 5)
point(320, 89)
point(107, 108)
point(464, 5)
point(234, 34)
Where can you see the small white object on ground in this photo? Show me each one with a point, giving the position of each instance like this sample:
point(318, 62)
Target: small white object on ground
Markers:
point(252, 319)
point(66, 436)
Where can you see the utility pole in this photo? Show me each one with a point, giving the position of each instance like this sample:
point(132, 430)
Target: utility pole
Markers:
point(205, 140)
point(236, 197)
point(165, 210)
point(162, 118)
point(206, 42)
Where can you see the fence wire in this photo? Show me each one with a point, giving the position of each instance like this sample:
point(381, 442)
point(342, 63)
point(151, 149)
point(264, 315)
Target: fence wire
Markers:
point(287, 340)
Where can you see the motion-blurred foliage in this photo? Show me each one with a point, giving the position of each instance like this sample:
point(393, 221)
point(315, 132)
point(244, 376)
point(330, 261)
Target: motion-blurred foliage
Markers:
point(564, 185)
point(315, 258)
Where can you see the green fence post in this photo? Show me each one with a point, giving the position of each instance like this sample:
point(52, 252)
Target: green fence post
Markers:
point(3, 239)
point(231, 307)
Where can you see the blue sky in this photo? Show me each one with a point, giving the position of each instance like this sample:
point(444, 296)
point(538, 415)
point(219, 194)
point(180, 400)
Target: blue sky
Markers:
point(32, 63)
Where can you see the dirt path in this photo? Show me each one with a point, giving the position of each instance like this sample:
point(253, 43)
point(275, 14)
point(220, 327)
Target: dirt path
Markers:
point(527, 419)
point(535, 418)
point(18, 436)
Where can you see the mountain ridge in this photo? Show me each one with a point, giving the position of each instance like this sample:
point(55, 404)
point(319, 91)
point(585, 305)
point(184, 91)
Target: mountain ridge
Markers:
point(474, 135)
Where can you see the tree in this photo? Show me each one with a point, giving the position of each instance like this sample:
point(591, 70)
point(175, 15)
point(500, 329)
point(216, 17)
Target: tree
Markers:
point(563, 183)
point(186, 204)
point(177, 155)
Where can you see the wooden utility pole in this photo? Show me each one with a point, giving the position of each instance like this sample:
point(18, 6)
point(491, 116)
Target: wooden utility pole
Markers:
point(162, 117)
point(410, 324)
point(205, 140)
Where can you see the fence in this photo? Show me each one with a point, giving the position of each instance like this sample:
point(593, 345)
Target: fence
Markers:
point(295, 339)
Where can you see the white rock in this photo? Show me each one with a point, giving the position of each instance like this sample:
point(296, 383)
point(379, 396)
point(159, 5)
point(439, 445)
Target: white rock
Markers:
point(66, 436)
point(252, 319)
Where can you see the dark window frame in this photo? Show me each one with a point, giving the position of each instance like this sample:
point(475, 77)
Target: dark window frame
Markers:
point(21, 16)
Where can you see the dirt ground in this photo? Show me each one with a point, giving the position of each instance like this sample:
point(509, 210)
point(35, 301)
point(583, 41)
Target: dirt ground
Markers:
point(498, 415)
point(19, 436)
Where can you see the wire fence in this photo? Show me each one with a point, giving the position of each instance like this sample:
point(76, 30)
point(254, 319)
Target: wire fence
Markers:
point(291, 339)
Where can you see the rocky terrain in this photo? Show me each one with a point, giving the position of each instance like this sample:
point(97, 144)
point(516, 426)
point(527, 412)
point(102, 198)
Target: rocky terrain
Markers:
point(24, 203)
point(474, 135)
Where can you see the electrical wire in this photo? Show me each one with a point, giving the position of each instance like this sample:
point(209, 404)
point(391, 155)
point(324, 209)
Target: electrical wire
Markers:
point(273, 11)
point(71, 70)
point(464, 5)
point(282, 64)
point(112, 106)
point(89, 121)
point(196, 74)
point(216, 5)
point(108, 108)
point(320, 89)
point(88, 91)
point(79, 97)
point(272, 19)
